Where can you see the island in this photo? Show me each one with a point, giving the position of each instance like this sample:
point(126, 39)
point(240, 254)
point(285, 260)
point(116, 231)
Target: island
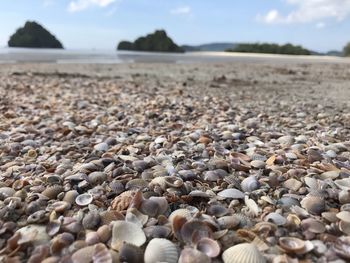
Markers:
point(158, 41)
point(268, 48)
point(33, 35)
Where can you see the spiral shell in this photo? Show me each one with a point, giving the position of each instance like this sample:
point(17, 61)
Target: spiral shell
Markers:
point(161, 250)
point(244, 252)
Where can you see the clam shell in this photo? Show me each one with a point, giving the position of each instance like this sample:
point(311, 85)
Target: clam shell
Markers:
point(127, 232)
point(130, 253)
point(101, 254)
point(83, 255)
point(245, 252)
point(161, 250)
point(231, 193)
point(313, 225)
point(185, 213)
point(250, 184)
point(157, 231)
point(52, 191)
point(190, 255)
point(276, 219)
point(83, 199)
point(343, 184)
point(209, 247)
point(217, 210)
point(344, 216)
point(291, 244)
point(313, 204)
point(228, 222)
point(195, 230)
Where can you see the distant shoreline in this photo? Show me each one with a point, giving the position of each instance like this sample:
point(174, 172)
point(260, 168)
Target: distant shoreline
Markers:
point(26, 55)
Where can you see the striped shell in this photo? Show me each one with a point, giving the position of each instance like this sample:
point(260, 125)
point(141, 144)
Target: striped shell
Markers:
point(244, 252)
point(161, 250)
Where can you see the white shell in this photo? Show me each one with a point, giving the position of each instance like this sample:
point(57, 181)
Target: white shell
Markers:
point(231, 193)
point(83, 199)
point(127, 232)
point(247, 253)
point(161, 250)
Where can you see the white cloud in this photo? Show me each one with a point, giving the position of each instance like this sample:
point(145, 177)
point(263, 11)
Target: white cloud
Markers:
point(307, 11)
point(48, 3)
point(320, 25)
point(79, 5)
point(183, 10)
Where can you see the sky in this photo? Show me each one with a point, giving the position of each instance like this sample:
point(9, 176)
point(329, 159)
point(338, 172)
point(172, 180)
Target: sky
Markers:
point(320, 25)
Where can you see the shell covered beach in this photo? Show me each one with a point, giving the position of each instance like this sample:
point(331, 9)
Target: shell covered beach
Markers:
point(236, 162)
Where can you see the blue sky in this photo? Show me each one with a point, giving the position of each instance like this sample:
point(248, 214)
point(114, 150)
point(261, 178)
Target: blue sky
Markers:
point(320, 25)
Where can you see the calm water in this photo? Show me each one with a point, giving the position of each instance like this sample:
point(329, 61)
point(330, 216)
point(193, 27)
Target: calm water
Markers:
point(19, 55)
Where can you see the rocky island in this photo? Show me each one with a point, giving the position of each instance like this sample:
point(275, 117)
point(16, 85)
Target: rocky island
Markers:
point(33, 35)
point(159, 41)
point(269, 48)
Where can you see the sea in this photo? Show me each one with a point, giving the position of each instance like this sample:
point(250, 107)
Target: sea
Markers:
point(26, 55)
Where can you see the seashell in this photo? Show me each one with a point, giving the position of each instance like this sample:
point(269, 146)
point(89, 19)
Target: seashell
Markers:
point(291, 244)
point(260, 244)
point(258, 164)
point(91, 220)
point(6, 192)
point(104, 233)
point(253, 208)
point(198, 193)
point(109, 216)
point(250, 184)
point(142, 218)
point(329, 175)
point(190, 255)
point(126, 232)
point(32, 153)
point(276, 219)
point(343, 184)
point(96, 178)
point(330, 216)
point(228, 222)
point(130, 253)
point(52, 191)
point(313, 204)
point(84, 254)
point(34, 234)
point(344, 227)
point(217, 210)
point(70, 196)
point(244, 252)
point(342, 247)
point(136, 184)
point(344, 216)
point(161, 250)
point(292, 184)
point(195, 230)
point(39, 254)
point(37, 217)
point(157, 231)
point(173, 181)
point(122, 201)
point(83, 199)
point(231, 193)
point(265, 228)
point(140, 165)
point(92, 238)
point(60, 206)
point(313, 225)
point(185, 213)
point(101, 254)
point(61, 241)
point(101, 147)
point(209, 247)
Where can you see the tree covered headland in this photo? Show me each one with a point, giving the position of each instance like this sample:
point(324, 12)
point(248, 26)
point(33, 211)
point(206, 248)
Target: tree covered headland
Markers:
point(156, 42)
point(346, 50)
point(270, 49)
point(33, 35)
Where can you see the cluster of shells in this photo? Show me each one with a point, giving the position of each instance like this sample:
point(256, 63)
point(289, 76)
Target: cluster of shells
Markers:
point(95, 172)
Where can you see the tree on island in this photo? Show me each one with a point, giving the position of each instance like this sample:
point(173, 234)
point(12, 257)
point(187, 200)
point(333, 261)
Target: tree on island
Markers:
point(346, 50)
point(33, 35)
point(268, 48)
point(156, 42)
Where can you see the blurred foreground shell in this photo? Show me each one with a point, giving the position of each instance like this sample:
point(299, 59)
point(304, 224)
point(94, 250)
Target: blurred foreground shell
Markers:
point(127, 232)
point(161, 250)
point(245, 252)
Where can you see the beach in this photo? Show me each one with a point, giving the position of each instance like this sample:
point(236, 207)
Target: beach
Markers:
point(195, 158)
